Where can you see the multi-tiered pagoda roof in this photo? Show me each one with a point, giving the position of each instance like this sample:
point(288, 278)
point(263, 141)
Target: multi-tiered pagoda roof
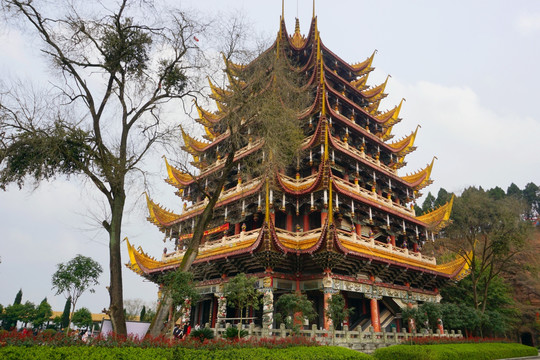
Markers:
point(343, 208)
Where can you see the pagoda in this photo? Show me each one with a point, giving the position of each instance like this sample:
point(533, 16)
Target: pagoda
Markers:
point(340, 220)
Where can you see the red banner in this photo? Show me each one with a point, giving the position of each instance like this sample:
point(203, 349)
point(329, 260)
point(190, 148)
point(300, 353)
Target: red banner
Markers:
point(215, 230)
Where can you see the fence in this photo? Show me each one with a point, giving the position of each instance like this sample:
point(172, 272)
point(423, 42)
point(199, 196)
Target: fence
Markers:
point(366, 341)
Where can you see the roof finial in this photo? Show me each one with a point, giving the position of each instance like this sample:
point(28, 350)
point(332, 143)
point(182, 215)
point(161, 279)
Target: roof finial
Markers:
point(282, 9)
point(313, 8)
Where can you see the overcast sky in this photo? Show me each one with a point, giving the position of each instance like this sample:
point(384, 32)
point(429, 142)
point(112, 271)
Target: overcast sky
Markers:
point(467, 69)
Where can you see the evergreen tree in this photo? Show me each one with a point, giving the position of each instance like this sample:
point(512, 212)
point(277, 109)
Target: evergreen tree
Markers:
point(82, 318)
point(513, 190)
point(496, 193)
point(18, 298)
point(43, 314)
point(429, 203)
point(143, 313)
point(66, 313)
point(443, 197)
point(531, 194)
point(240, 292)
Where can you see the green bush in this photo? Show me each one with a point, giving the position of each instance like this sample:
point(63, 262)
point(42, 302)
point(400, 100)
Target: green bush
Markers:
point(97, 353)
point(232, 333)
point(202, 333)
point(484, 351)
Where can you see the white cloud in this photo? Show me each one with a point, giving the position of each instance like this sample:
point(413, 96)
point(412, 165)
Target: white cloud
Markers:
point(527, 24)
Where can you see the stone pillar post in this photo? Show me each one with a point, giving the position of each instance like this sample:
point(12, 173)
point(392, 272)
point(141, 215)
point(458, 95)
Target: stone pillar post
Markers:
point(412, 325)
point(268, 302)
point(221, 309)
point(328, 291)
point(440, 326)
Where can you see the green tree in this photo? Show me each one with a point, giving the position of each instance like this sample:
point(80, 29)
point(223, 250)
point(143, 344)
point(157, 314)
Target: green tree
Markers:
point(292, 309)
point(28, 313)
point(10, 316)
point(443, 197)
point(487, 233)
point(337, 311)
point(115, 68)
point(240, 292)
point(142, 316)
point(75, 277)
point(429, 203)
point(82, 318)
point(65, 319)
point(180, 288)
point(18, 297)
point(531, 194)
point(43, 314)
point(515, 191)
point(496, 193)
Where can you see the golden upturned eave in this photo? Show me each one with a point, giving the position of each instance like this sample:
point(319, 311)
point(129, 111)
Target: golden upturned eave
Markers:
point(159, 215)
point(421, 178)
point(406, 145)
point(438, 218)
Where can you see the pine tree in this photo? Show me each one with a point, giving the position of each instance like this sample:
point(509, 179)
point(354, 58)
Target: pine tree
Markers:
point(143, 313)
point(18, 298)
point(66, 313)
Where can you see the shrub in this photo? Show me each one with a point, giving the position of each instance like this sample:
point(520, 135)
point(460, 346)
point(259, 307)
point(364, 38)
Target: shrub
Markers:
point(97, 353)
point(202, 334)
point(232, 333)
point(454, 351)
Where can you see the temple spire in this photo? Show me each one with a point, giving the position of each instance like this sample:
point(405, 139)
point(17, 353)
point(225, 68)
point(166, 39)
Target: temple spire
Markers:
point(313, 8)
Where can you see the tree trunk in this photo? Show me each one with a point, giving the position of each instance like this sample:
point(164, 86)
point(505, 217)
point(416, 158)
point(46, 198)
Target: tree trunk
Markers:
point(116, 308)
point(162, 312)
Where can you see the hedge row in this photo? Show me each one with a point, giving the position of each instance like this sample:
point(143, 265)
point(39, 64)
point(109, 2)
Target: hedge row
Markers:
point(454, 351)
point(100, 353)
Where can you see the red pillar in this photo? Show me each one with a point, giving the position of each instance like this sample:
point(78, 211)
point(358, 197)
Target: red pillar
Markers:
point(237, 229)
point(306, 222)
point(375, 319)
point(289, 222)
point(324, 215)
point(393, 240)
point(358, 229)
point(273, 217)
point(415, 247)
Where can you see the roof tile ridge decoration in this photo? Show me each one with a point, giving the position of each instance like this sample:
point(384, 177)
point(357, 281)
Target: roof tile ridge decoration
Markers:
point(438, 218)
point(359, 69)
point(405, 145)
point(297, 40)
point(376, 203)
point(233, 67)
point(387, 134)
point(421, 178)
point(177, 178)
point(218, 93)
point(158, 215)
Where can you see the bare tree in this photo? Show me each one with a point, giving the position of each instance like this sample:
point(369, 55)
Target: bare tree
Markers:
point(117, 68)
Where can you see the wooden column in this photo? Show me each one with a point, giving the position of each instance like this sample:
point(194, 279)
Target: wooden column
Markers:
point(412, 325)
point(214, 311)
point(237, 229)
point(375, 316)
point(289, 222)
point(415, 247)
point(306, 222)
point(393, 240)
point(358, 229)
point(324, 215)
